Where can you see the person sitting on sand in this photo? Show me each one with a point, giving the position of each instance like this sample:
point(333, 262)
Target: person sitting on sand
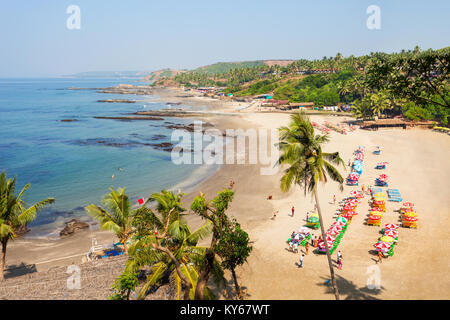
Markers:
point(269, 197)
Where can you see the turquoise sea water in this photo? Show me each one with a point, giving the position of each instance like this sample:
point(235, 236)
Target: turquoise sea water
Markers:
point(65, 160)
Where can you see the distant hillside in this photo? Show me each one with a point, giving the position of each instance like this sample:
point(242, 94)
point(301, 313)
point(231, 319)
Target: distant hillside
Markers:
point(161, 74)
point(223, 67)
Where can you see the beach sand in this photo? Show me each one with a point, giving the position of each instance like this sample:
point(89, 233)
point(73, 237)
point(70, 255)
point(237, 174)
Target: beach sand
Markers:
point(418, 167)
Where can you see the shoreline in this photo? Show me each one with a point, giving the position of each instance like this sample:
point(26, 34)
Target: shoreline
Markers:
point(414, 167)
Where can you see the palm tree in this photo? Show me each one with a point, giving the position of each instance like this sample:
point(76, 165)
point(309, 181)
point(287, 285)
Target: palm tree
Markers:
point(169, 247)
point(118, 218)
point(307, 166)
point(14, 214)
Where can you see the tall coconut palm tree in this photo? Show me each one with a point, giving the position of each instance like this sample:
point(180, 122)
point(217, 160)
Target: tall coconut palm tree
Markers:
point(117, 215)
point(308, 165)
point(168, 246)
point(14, 214)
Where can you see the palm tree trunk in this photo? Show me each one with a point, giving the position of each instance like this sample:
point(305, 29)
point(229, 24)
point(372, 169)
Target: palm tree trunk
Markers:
point(3, 260)
point(330, 264)
point(204, 275)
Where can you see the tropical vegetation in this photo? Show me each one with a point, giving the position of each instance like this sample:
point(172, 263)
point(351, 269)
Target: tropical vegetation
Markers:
point(15, 215)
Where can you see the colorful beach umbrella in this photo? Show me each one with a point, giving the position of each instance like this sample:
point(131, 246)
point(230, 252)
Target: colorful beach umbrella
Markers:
point(373, 217)
point(410, 214)
point(379, 194)
point(313, 219)
point(391, 226)
point(383, 246)
point(339, 224)
point(353, 176)
point(408, 204)
point(391, 233)
point(303, 230)
point(360, 156)
point(321, 244)
point(342, 219)
point(347, 215)
point(410, 219)
point(333, 232)
point(378, 209)
point(387, 239)
point(337, 228)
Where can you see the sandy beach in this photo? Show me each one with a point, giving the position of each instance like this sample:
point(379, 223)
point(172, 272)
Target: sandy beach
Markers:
point(418, 167)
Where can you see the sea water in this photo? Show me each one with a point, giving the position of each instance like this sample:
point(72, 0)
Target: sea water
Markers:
point(77, 162)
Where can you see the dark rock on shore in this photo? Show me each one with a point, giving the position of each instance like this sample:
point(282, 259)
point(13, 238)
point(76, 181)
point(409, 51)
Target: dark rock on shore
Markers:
point(131, 118)
point(158, 137)
point(72, 226)
point(164, 146)
point(117, 101)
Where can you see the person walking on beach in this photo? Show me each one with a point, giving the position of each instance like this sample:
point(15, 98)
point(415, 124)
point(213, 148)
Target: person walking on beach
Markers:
point(339, 260)
point(380, 257)
point(307, 247)
point(307, 216)
point(334, 199)
point(292, 211)
point(301, 261)
point(363, 189)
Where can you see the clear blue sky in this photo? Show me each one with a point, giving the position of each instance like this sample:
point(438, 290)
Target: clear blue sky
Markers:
point(148, 35)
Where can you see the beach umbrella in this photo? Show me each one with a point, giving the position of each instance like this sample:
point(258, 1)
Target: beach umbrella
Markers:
point(410, 219)
point(347, 215)
point(379, 194)
point(333, 232)
point(408, 204)
point(373, 217)
point(353, 176)
point(355, 193)
point(379, 202)
point(360, 156)
point(322, 244)
point(387, 239)
point(342, 219)
point(303, 230)
point(391, 226)
point(313, 219)
point(335, 227)
point(410, 214)
point(377, 209)
point(383, 177)
point(339, 224)
point(382, 246)
point(391, 233)
point(376, 213)
point(353, 200)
